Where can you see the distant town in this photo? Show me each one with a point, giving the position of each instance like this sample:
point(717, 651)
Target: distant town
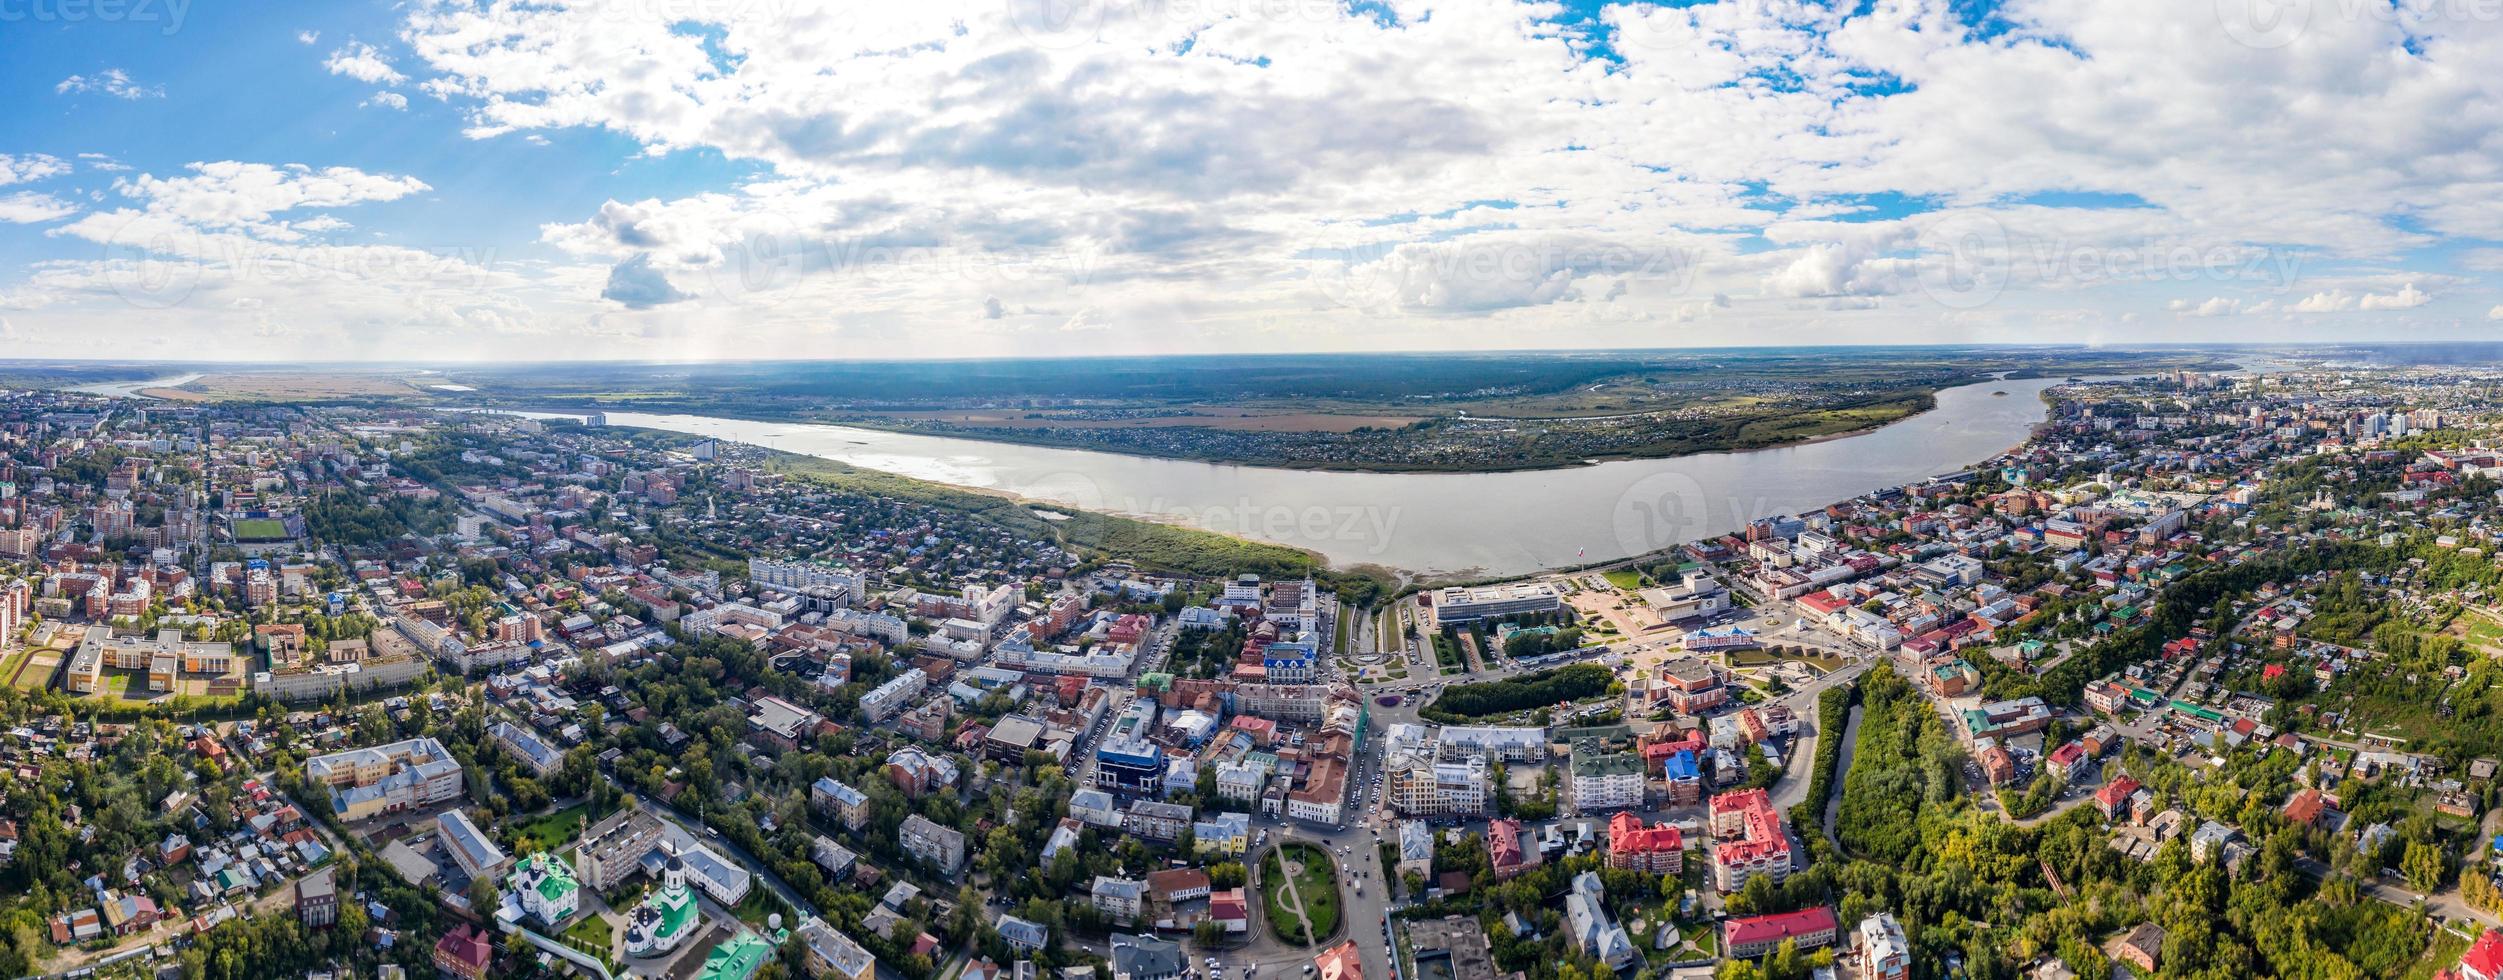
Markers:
point(2199, 681)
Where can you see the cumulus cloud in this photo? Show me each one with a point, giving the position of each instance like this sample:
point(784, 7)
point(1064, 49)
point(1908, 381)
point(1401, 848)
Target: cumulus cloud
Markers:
point(308, 37)
point(1331, 176)
point(364, 63)
point(30, 167)
point(111, 81)
point(2212, 306)
point(229, 193)
point(993, 309)
point(2407, 298)
point(636, 285)
point(28, 208)
point(1837, 269)
point(2495, 313)
point(2334, 300)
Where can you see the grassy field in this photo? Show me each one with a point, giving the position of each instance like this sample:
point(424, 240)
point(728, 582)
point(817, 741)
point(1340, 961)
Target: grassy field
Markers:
point(1626, 579)
point(260, 529)
point(1317, 885)
point(33, 669)
point(595, 936)
point(555, 830)
point(2442, 954)
point(2480, 630)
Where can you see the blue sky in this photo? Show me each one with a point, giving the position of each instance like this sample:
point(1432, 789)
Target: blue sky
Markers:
point(731, 178)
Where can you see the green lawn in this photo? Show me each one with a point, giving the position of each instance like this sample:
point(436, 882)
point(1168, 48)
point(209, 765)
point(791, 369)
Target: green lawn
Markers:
point(593, 935)
point(38, 675)
point(553, 831)
point(758, 905)
point(2440, 955)
point(1626, 579)
point(1317, 886)
point(260, 529)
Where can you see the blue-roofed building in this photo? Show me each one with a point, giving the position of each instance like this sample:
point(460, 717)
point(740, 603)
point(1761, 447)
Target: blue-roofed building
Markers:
point(1684, 774)
point(1288, 662)
point(1129, 765)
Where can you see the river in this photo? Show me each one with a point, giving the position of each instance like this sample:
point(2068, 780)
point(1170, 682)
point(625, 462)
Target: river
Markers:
point(1442, 524)
point(132, 389)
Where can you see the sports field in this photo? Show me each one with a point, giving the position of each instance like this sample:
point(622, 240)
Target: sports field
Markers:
point(260, 529)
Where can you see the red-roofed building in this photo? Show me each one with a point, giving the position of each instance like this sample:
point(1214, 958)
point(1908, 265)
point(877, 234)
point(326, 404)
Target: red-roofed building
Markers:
point(1749, 840)
point(1822, 603)
point(1228, 908)
point(1340, 962)
point(464, 952)
point(2067, 759)
point(1658, 849)
point(2305, 808)
point(2113, 798)
point(2484, 960)
point(1754, 936)
point(1504, 851)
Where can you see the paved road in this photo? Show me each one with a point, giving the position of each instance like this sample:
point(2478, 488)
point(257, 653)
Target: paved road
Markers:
point(763, 872)
point(1842, 767)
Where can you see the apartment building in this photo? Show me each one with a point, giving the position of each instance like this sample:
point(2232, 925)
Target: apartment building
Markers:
point(1602, 780)
point(383, 779)
point(1658, 849)
point(1749, 840)
point(942, 847)
point(1418, 787)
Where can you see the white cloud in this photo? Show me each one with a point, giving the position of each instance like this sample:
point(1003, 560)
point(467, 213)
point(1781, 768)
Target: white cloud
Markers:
point(29, 208)
point(308, 37)
point(111, 81)
point(244, 196)
point(365, 63)
point(1180, 174)
point(635, 285)
point(2495, 313)
point(2212, 306)
point(2337, 300)
point(2326, 301)
point(29, 167)
point(2407, 298)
